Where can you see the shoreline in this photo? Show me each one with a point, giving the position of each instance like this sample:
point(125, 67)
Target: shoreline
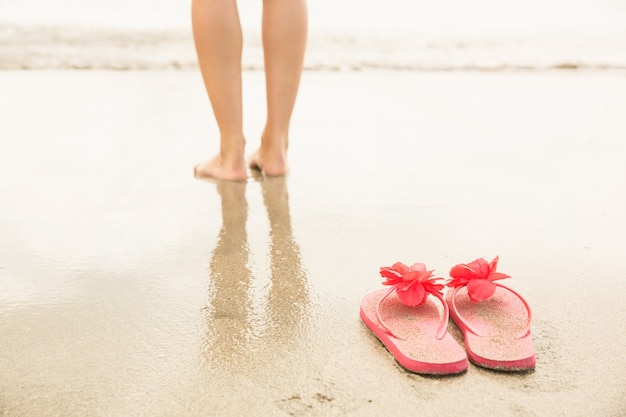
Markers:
point(73, 47)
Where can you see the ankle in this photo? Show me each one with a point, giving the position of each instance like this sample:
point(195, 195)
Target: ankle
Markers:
point(276, 148)
point(232, 148)
point(274, 140)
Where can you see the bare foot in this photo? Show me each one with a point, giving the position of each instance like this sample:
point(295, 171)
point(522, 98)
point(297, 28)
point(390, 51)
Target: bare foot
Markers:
point(269, 163)
point(216, 168)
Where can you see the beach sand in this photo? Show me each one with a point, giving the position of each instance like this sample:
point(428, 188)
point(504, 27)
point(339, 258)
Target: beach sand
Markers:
point(127, 287)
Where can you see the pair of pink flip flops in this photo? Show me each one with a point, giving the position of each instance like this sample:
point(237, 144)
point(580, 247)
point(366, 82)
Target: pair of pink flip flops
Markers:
point(494, 319)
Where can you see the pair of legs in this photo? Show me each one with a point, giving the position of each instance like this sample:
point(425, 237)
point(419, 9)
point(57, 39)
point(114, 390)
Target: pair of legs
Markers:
point(219, 42)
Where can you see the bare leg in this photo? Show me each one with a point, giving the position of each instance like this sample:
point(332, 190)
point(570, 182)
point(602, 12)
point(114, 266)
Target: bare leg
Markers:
point(219, 41)
point(284, 43)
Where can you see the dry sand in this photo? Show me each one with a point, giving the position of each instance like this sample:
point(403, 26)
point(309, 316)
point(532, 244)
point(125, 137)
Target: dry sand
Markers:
point(128, 288)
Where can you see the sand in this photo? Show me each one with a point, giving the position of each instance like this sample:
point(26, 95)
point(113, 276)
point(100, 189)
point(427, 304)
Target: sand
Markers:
point(127, 287)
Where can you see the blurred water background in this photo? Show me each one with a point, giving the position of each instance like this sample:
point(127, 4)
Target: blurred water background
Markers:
point(344, 34)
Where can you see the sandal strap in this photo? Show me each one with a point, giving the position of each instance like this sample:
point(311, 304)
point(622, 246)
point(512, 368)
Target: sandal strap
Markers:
point(522, 334)
point(443, 326)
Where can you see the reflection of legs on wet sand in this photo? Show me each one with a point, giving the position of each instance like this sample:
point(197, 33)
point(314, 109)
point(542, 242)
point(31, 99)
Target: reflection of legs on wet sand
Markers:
point(235, 333)
point(288, 297)
point(229, 308)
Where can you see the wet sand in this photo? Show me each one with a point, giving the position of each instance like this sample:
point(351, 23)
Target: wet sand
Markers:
point(127, 287)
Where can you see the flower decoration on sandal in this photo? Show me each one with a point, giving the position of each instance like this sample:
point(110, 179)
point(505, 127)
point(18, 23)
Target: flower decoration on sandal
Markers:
point(478, 276)
point(412, 284)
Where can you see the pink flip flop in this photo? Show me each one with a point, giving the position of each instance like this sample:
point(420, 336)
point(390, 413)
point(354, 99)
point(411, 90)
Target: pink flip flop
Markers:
point(410, 325)
point(494, 319)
